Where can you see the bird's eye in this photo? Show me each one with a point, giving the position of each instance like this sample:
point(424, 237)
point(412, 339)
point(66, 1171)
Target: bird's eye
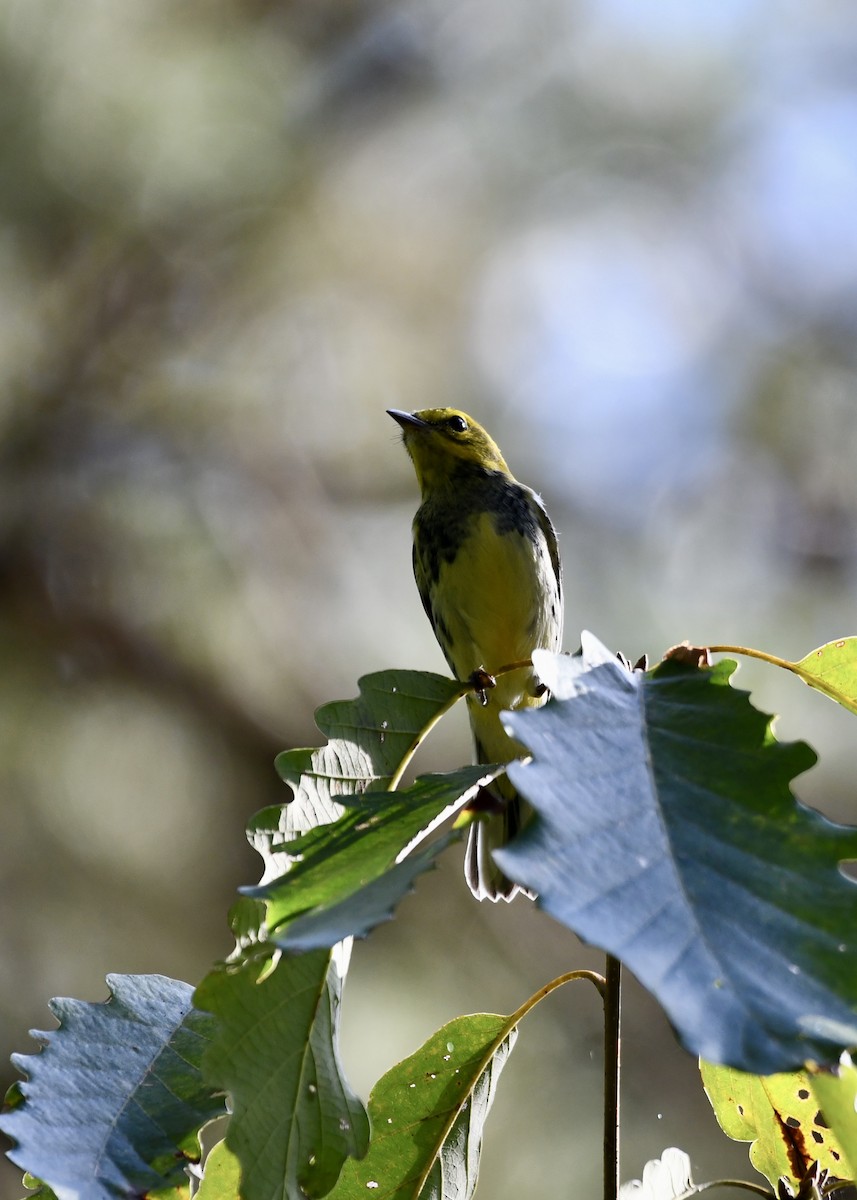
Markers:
point(457, 424)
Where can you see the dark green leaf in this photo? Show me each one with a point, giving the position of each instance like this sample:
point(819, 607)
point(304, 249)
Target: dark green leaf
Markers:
point(428, 1115)
point(114, 1102)
point(247, 922)
point(668, 835)
point(347, 877)
point(295, 1119)
point(361, 910)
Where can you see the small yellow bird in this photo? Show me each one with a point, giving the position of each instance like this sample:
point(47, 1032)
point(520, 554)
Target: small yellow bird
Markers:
point(487, 568)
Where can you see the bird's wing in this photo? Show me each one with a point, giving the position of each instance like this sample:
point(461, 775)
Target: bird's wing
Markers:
point(546, 526)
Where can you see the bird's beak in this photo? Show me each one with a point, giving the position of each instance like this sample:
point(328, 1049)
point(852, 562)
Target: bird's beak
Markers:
point(406, 419)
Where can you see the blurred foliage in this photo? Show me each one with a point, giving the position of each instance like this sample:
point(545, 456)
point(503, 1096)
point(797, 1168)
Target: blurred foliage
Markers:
point(231, 233)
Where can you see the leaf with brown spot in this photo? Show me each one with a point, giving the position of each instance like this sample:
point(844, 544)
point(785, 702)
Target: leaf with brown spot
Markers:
point(836, 1093)
point(780, 1116)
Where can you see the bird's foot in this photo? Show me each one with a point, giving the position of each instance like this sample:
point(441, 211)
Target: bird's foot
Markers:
point(482, 682)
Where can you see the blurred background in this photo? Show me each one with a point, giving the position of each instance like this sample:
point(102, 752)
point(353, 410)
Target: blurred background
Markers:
point(233, 232)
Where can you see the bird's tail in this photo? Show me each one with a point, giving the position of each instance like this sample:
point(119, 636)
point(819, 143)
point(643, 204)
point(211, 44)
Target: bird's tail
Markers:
point(491, 831)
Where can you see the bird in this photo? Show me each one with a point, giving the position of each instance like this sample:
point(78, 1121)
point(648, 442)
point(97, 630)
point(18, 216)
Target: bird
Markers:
point(487, 567)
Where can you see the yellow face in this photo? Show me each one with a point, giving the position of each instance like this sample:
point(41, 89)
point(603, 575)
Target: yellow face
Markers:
point(439, 439)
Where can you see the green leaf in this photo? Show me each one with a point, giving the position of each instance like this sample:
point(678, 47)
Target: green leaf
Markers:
point(222, 1178)
point(295, 1119)
point(779, 1114)
point(247, 923)
point(371, 740)
point(347, 877)
point(38, 1190)
point(667, 834)
point(368, 739)
point(836, 1094)
point(832, 669)
point(114, 1102)
point(428, 1112)
point(361, 910)
point(428, 1115)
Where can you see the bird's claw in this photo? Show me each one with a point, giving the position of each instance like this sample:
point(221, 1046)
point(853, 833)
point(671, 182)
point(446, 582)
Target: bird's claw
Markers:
point(481, 682)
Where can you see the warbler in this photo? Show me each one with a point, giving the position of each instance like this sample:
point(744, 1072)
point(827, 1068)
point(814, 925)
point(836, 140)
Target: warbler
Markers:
point(487, 568)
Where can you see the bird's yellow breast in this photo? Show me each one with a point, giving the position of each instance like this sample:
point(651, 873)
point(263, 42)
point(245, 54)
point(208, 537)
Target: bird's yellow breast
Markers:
point(496, 597)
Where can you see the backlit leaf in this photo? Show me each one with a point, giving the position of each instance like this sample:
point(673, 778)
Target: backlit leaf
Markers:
point(780, 1116)
point(832, 669)
point(368, 737)
point(222, 1177)
point(836, 1093)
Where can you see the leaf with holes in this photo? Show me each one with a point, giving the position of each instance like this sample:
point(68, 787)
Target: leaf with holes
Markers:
point(113, 1104)
point(780, 1116)
point(428, 1115)
point(666, 833)
point(836, 1093)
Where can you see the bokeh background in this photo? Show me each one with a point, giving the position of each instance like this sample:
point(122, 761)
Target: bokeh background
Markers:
point(232, 232)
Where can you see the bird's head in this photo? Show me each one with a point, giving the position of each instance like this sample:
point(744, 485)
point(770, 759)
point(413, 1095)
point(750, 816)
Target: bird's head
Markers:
point(441, 440)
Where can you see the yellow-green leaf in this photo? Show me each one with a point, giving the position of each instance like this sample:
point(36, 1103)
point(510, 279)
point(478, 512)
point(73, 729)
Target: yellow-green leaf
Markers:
point(837, 1098)
point(222, 1178)
point(832, 669)
point(779, 1115)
